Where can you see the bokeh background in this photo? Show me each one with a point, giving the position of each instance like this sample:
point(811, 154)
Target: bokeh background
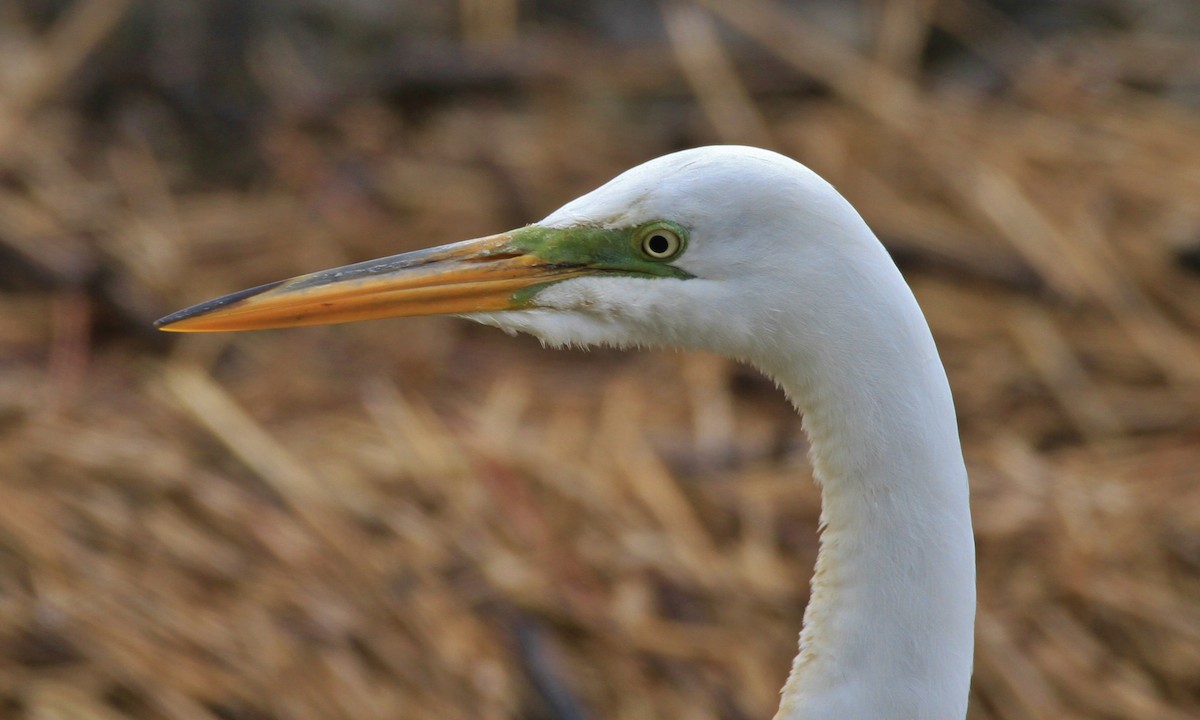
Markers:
point(427, 519)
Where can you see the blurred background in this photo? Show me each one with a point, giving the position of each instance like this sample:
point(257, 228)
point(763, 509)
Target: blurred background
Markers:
point(427, 519)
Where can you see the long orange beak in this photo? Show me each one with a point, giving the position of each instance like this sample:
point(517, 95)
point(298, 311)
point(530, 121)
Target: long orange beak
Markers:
point(482, 275)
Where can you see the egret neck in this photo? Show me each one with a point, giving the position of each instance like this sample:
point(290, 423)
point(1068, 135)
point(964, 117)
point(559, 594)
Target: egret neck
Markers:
point(888, 631)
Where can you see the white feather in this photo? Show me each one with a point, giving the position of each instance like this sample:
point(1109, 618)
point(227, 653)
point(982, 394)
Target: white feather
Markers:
point(789, 278)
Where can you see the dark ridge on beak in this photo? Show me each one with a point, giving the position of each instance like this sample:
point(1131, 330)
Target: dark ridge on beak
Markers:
point(207, 307)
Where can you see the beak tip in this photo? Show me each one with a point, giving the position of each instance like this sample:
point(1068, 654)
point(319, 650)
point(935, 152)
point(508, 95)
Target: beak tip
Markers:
point(205, 308)
point(165, 324)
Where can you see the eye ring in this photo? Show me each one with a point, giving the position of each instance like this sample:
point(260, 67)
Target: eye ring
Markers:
point(661, 243)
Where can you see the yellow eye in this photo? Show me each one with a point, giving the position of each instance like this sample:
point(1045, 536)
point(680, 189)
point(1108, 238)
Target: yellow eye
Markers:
point(662, 243)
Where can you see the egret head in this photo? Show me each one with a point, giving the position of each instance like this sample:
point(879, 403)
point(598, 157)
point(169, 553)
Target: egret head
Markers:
point(695, 249)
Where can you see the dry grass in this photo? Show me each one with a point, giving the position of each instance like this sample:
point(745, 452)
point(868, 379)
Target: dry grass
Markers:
point(422, 519)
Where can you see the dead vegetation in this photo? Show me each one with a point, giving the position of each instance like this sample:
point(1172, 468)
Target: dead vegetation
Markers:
point(419, 519)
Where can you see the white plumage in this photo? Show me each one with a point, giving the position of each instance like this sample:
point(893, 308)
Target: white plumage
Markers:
point(790, 279)
point(777, 270)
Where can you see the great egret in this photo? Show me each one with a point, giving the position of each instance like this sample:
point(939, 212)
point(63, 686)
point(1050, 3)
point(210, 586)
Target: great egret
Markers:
point(747, 253)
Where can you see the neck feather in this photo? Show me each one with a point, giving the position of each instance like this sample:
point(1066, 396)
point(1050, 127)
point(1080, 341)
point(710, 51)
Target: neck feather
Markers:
point(888, 631)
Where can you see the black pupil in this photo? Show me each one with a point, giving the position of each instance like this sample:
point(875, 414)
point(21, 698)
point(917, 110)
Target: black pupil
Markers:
point(659, 244)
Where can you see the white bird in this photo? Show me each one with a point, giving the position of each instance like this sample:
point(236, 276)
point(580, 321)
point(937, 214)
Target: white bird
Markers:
point(743, 252)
